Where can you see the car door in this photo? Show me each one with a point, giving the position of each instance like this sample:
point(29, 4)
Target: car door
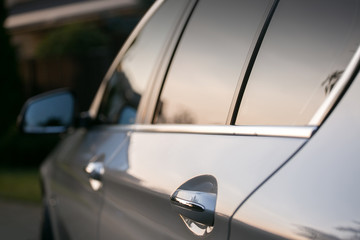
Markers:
point(183, 169)
point(74, 169)
point(314, 195)
point(75, 199)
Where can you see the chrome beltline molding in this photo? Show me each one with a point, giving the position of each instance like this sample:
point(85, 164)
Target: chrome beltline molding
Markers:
point(269, 131)
point(337, 90)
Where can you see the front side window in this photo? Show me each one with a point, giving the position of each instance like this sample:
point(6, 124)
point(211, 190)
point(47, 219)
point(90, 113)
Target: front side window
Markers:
point(131, 77)
point(306, 49)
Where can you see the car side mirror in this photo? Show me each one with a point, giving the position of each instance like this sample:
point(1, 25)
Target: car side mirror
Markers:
point(51, 112)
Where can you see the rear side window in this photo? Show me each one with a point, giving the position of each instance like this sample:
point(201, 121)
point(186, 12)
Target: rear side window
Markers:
point(208, 62)
point(306, 49)
point(130, 79)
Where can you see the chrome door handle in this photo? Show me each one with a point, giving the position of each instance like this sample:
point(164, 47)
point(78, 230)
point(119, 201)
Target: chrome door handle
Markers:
point(196, 205)
point(187, 204)
point(196, 199)
point(95, 170)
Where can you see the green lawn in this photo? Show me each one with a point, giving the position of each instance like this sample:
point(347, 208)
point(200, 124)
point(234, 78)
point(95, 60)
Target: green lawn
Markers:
point(20, 185)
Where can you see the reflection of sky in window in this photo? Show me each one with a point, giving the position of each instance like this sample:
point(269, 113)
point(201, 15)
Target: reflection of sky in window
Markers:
point(58, 109)
point(306, 42)
point(138, 63)
point(209, 60)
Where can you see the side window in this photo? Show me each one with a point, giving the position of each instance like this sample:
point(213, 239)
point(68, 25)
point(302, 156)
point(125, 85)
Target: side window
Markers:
point(129, 80)
point(306, 49)
point(208, 62)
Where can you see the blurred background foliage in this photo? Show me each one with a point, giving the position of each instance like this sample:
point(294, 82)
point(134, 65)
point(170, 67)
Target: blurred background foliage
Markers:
point(72, 40)
point(10, 95)
point(21, 185)
point(16, 150)
point(75, 55)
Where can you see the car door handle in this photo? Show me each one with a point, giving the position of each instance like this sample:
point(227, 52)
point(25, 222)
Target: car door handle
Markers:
point(196, 199)
point(95, 170)
point(197, 207)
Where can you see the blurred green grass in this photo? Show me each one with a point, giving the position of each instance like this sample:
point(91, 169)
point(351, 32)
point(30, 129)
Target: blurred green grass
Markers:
point(22, 185)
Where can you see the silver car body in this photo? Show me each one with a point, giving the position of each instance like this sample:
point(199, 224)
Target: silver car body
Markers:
point(149, 179)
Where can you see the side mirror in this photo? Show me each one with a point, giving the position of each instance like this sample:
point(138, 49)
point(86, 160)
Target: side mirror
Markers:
point(52, 112)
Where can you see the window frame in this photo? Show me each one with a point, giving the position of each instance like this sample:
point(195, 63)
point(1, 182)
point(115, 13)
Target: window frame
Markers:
point(246, 68)
point(149, 101)
point(339, 89)
point(145, 102)
point(249, 63)
point(324, 110)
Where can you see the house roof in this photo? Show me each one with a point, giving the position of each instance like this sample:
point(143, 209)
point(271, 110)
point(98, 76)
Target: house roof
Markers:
point(68, 11)
point(23, 6)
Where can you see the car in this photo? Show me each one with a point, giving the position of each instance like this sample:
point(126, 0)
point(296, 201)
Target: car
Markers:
point(234, 119)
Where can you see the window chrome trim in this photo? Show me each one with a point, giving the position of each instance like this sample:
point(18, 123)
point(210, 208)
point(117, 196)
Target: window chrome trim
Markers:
point(149, 100)
point(329, 102)
point(250, 61)
point(267, 131)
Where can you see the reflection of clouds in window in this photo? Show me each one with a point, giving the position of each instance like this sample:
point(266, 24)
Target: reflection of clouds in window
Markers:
point(307, 41)
point(182, 115)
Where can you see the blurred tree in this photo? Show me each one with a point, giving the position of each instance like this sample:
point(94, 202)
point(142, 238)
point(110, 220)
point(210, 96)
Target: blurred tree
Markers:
point(147, 3)
point(72, 40)
point(80, 51)
point(10, 85)
point(16, 150)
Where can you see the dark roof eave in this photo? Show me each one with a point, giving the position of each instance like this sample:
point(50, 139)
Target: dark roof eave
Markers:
point(79, 12)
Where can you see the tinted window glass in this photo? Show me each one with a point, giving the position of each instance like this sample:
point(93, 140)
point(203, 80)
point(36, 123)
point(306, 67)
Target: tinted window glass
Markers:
point(305, 51)
point(208, 62)
point(130, 79)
